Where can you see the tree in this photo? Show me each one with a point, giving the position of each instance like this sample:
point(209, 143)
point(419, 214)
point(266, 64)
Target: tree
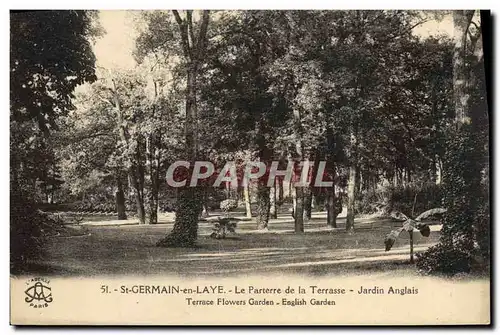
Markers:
point(88, 149)
point(236, 93)
point(461, 21)
point(465, 161)
point(190, 43)
point(332, 74)
point(273, 210)
point(124, 128)
point(45, 68)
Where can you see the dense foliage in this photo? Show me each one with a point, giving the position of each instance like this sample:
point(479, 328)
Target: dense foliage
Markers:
point(50, 55)
point(359, 90)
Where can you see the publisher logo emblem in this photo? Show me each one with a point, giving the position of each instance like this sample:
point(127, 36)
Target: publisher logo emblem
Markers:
point(38, 293)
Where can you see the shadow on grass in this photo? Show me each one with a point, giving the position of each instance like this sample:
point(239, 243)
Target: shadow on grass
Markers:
point(129, 250)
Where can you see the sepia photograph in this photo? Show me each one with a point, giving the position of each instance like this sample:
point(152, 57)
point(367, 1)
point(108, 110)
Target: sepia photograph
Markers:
point(250, 167)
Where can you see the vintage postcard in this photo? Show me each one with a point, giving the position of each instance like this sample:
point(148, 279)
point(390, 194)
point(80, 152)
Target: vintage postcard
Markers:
point(249, 167)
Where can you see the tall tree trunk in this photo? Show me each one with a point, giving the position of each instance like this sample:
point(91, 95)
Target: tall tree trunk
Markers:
point(331, 216)
point(120, 199)
point(461, 22)
point(248, 206)
point(352, 183)
point(307, 203)
point(272, 202)
point(263, 192)
point(185, 231)
point(138, 195)
point(152, 178)
point(310, 190)
point(351, 195)
point(152, 217)
point(280, 191)
point(331, 150)
point(299, 190)
point(140, 177)
point(279, 194)
point(134, 170)
point(299, 209)
point(359, 180)
point(263, 205)
point(462, 178)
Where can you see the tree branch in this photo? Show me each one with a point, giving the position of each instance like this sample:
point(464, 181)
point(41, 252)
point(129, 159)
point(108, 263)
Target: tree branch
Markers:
point(189, 19)
point(73, 140)
point(475, 24)
point(468, 16)
point(409, 30)
point(202, 36)
point(184, 34)
point(105, 100)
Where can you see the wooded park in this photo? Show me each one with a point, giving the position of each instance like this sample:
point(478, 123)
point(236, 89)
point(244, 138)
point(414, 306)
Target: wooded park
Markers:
point(394, 106)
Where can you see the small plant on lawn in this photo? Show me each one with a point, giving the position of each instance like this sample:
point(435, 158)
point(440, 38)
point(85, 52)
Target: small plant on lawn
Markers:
point(221, 227)
point(224, 224)
point(410, 225)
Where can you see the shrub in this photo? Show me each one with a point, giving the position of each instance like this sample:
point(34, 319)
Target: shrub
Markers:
point(222, 226)
point(443, 259)
point(373, 201)
point(466, 223)
point(409, 199)
point(27, 231)
point(415, 199)
point(228, 205)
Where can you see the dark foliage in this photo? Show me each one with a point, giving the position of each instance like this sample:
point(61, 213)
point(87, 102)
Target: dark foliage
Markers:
point(438, 259)
point(407, 199)
point(26, 232)
point(50, 57)
point(29, 230)
point(467, 219)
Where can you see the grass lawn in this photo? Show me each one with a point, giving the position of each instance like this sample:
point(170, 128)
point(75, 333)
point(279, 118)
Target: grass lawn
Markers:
point(130, 249)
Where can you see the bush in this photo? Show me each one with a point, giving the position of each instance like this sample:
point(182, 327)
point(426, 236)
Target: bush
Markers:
point(443, 259)
point(387, 199)
point(221, 227)
point(424, 197)
point(214, 197)
point(167, 205)
point(29, 229)
point(373, 201)
point(228, 205)
point(27, 234)
point(465, 232)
